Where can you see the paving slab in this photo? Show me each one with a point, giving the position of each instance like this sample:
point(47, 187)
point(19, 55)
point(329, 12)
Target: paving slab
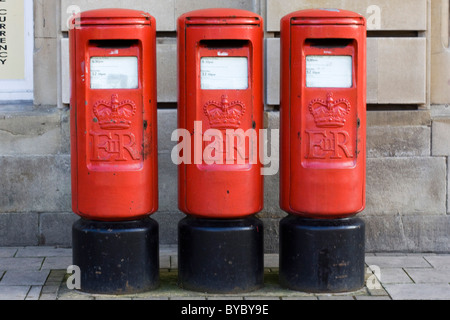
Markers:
point(336, 298)
point(373, 298)
point(398, 261)
point(394, 275)
point(32, 273)
point(24, 278)
point(43, 252)
point(300, 298)
point(34, 293)
point(13, 292)
point(57, 262)
point(418, 291)
point(420, 275)
point(441, 261)
point(8, 252)
point(21, 263)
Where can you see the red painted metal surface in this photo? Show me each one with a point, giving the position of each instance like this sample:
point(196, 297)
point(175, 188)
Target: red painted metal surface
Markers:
point(113, 129)
point(220, 190)
point(323, 129)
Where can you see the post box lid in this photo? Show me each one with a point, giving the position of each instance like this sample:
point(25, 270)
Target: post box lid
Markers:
point(325, 16)
point(112, 17)
point(221, 16)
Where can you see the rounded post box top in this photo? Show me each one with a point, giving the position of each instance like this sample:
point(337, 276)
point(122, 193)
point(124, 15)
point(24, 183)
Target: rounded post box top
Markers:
point(112, 17)
point(324, 16)
point(220, 16)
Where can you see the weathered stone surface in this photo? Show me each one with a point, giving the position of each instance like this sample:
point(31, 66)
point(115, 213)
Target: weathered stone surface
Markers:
point(406, 185)
point(393, 15)
point(440, 53)
point(272, 69)
point(271, 234)
point(167, 183)
point(405, 141)
point(65, 71)
point(440, 141)
point(183, 6)
point(408, 233)
point(271, 178)
point(45, 18)
point(163, 11)
point(372, 71)
point(168, 225)
point(31, 132)
point(45, 71)
point(402, 70)
point(55, 228)
point(166, 55)
point(35, 183)
point(167, 123)
point(19, 229)
point(393, 118)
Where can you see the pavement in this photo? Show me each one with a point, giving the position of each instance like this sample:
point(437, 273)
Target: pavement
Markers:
point(40, 273)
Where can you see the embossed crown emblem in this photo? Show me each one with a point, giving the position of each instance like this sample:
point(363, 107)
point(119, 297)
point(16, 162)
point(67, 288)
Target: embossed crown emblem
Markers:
point(329, 113)
point(225, 114)
point(114, 114)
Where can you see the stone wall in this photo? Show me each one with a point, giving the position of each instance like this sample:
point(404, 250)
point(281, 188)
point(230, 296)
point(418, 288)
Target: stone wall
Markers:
point(408, 92)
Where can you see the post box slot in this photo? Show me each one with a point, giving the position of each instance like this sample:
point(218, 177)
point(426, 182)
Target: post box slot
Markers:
point(328, 43)
point(110, 43)
point(226, 43)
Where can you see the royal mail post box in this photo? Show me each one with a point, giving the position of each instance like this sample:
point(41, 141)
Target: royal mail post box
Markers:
point(323, 113)
point(220, 71)
point(113, 114)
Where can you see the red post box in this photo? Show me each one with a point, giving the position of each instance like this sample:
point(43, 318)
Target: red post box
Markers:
point(113, 114)
point(221, 92)
point(323, 160)
point(114, 150)
point(220, 110)
point(323, 113)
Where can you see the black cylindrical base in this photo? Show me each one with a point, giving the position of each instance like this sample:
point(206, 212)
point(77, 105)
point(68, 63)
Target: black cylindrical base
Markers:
point(220, 256)
point(322, 255)
point(116, 257)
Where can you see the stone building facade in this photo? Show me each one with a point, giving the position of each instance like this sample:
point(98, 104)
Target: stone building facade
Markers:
point(408, 134)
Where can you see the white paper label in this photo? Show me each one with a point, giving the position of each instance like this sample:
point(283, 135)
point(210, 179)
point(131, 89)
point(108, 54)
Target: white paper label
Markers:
point(329, 71)
point(224, 73)
point(114, 73)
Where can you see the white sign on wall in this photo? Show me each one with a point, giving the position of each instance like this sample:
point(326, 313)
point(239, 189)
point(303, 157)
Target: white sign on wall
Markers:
point(328, 71)
point(16, 50)
point(221, 73)
point(114, 73)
